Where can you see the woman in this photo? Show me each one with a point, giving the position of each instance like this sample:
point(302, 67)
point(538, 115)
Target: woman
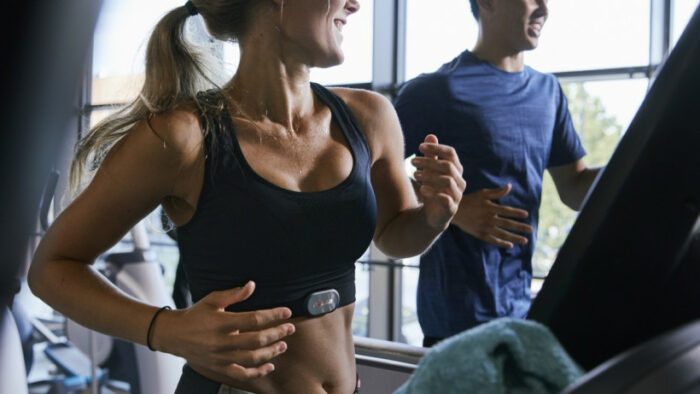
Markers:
point(269, 178)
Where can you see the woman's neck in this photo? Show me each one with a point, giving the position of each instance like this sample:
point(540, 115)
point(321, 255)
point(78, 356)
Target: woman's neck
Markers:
point(270, 84)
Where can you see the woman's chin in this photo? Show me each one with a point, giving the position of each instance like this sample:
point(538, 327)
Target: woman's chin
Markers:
point(331, 60)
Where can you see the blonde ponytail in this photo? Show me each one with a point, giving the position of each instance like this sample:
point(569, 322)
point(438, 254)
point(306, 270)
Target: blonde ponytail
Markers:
point(175, 72)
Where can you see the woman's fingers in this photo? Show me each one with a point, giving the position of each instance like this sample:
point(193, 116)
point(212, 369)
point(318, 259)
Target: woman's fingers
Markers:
point(242, 373)
point(257, 339)
point(444, 183)
point(430, 171)
point(241, 345)
point(437, 165)
point(435, 151)
point(440, 175)
point(224, 298)
point(254, 320)
point(252, 358)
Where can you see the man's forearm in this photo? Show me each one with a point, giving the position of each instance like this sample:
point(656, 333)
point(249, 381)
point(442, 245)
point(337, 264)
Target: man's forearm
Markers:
point(579, 189)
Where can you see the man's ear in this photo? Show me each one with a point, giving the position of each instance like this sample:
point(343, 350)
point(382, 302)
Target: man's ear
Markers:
point(485, 5)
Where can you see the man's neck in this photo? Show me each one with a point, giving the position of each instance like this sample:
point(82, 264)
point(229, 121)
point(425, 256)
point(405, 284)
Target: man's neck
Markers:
point(499, 56)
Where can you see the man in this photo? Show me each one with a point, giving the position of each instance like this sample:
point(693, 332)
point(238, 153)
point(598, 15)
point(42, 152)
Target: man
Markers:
point(508, 123)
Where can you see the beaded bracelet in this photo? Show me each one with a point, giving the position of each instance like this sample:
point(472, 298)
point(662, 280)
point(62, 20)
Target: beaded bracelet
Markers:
point(150, 326)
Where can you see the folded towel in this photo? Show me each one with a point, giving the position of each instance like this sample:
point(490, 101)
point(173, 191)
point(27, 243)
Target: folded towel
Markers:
point(505, 355)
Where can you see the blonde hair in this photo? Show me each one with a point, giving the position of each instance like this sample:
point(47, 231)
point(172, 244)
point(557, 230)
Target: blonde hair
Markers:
point(175, 72)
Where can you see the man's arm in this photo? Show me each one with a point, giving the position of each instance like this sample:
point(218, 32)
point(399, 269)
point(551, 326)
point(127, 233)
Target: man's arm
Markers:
point(573, 181)
point(488, 221)
point(480, 217)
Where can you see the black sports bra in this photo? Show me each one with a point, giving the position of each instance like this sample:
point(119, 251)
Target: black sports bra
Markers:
point(292, 244)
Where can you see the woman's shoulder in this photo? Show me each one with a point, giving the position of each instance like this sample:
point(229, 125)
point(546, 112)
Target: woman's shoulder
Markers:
point(370, 108)
point(178, 129)
point(375, 115)
point(361, 99)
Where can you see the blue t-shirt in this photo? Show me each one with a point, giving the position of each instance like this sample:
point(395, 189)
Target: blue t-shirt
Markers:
point(507, 127)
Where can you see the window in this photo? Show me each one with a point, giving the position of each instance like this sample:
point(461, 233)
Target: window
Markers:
point(593, 34)
point(601, 112)
point(360, 319)
point(430, 44)
point(411, 332)
point(118, 61)
point(98, 115)
point(118, 54)
point(577, 35)
point(681, 11)
point(357, 47)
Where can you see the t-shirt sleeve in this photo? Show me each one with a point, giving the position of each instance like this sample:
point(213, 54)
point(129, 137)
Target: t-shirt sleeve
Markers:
point(566, 144)
point(417, 106)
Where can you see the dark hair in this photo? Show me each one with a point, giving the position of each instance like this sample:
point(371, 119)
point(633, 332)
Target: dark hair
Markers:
point(475, 8)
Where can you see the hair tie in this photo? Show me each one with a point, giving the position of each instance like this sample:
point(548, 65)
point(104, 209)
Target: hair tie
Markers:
point(191, 8)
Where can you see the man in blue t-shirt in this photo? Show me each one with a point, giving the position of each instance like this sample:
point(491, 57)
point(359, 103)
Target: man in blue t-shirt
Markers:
point(508, 123)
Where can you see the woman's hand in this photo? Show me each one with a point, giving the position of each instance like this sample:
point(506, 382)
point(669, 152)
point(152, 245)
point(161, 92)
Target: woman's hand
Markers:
point(237, 345)
point(441, 184)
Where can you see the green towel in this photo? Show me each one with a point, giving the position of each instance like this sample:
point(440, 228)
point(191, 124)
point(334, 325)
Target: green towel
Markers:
point(505, 355)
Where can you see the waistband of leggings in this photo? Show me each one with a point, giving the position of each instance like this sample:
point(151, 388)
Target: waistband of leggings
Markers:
point(191, 382)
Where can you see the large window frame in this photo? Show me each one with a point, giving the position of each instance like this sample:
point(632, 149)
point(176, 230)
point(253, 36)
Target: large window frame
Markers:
point(388, 73)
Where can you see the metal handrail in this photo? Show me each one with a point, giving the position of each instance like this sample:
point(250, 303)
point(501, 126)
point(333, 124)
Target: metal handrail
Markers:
point(388, 355)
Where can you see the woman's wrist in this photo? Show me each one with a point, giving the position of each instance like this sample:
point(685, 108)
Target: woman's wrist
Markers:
point(437, 228)
point(158, 333)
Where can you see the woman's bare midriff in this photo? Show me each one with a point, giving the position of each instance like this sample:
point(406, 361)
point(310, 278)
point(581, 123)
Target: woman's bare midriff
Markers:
point(320, 359)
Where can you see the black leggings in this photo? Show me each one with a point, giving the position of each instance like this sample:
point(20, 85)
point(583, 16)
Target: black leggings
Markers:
point(193, 383)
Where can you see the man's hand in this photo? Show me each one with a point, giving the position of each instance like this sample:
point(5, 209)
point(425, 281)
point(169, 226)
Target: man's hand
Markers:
point(441, 184)
point(490, 222)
